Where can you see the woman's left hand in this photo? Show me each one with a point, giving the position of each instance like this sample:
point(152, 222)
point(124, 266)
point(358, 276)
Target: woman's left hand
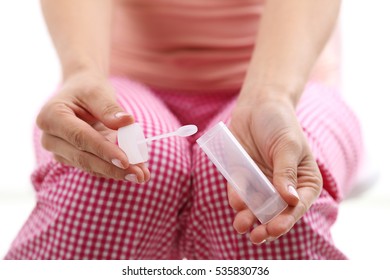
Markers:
point(268, 129)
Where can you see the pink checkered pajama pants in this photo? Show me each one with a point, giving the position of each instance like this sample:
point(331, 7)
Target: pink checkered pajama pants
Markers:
point(183, 211)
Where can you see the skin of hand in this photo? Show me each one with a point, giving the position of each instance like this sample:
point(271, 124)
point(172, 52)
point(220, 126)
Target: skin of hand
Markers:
point(79, 126)
point(290, 38)
point(270, 133)
point(79, 123)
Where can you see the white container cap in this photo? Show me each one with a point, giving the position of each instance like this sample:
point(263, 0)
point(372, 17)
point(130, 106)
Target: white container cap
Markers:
point(131, 140)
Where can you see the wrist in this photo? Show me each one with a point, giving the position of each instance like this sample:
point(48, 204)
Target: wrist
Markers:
point(85, 72)
point(86, 80)
point(255, 94)
point(84, 66)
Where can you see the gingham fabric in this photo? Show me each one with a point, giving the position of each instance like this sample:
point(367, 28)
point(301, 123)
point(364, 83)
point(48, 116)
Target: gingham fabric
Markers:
point(183, 211)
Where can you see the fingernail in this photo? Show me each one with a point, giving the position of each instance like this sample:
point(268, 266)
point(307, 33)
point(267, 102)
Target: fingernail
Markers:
point(260, 242)
point(293, 191)
point(131, 178)
point(121, 114)
point(117, 163)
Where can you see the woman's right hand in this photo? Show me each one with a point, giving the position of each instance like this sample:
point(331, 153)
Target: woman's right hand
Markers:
point(79, 126)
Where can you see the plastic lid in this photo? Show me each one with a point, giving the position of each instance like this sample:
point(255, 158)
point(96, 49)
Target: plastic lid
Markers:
point(131, 140)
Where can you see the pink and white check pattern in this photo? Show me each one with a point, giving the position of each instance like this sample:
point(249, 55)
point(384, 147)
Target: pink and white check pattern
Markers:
point(183, 211)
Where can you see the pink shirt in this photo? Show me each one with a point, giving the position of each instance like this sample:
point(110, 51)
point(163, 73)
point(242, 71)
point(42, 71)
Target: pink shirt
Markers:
point(194, 45)
point(184, 44)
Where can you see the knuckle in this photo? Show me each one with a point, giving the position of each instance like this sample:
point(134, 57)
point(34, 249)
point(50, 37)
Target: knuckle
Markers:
point(232, 203)
point(303, 208)
point(105, 170)
point(77, 137)
point(99, 150)
point(92, 90)
point(318, 181)
point(58, 158)
point(45, 142)
point(110, 109)
point(83, 162)
point(94, 173)
point(103, 93)
point(113, 172)
point(287, 141)
point(292, 143)
point(233, 200)
point(49, 114)
point(288, 173)
point(80, 161)
point(42, 121)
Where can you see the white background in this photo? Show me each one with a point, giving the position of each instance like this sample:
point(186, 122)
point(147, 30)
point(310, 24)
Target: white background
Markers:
point(29, 72)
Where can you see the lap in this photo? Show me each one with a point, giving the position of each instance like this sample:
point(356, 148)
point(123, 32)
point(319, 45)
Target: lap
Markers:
point(210, 228)
point(183, 211)
point(80, 216)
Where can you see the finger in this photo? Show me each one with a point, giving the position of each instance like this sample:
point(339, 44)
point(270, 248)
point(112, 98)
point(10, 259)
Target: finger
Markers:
point(63, 160)
point(60, 120)
point(66, 153)
point(309, 188)
point(243, 221)
point(275, 228)
point(309, 175)
point(259, 234)
point(86, 138)
point(284, 177)
point(145, 170)
point(101, 103)
point(234, 199)
point(283, 223)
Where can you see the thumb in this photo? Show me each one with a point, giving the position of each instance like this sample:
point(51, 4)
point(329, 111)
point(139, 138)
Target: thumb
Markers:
point(104, 107)
point(285, 176)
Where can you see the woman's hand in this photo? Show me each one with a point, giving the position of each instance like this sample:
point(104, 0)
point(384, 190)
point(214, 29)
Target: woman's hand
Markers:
point(269, 131)
point(79, 127)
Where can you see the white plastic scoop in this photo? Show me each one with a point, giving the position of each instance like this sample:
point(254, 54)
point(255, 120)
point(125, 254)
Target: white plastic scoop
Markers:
point(184, 131)
point(132, 141)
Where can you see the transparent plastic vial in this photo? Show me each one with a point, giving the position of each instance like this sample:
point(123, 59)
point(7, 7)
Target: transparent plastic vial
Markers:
point(242, 173)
